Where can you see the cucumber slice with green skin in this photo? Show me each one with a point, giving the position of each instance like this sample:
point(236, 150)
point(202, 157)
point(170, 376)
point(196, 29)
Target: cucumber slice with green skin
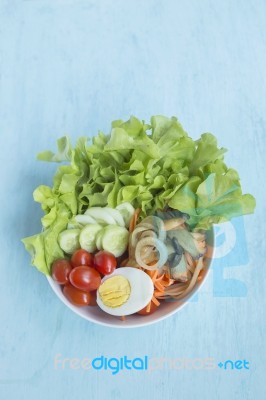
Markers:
point(69, 240)
point(101, 215)
point(115, 239)
point(85, 219)
point(75, 225)
point(119, 220)
point(99, 239)
point(127, 212)
point(87, 238)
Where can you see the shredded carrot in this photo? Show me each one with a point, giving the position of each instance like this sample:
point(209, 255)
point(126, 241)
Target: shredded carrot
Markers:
point(160, 282)
point(155, 301)
point(134, 219)
point(123, 318)
point(148, 308)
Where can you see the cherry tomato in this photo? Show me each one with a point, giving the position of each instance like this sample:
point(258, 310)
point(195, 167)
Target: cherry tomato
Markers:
point(143, 311)
point(85, 278)
point(60, 271)
point(105, 262)
point(82, 257)
point(77, 297)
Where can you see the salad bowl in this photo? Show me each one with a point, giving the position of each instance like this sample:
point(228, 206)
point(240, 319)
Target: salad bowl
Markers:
point(141, 202)
point(167, 307)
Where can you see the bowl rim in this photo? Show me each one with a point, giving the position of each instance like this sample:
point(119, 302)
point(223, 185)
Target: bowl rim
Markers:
point(77, 310)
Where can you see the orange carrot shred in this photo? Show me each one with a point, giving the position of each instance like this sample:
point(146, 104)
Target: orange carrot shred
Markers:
point(155, 301)
point(160, 282)
point(134, 219)
point(148, 307)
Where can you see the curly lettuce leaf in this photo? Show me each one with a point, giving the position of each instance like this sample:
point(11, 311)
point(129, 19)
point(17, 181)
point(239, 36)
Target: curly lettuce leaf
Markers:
point(63, 153)
point(206, 153)
point(44, 247)
point(166, 129)
point(121, 140)
point(214, 200)
point(220, 198)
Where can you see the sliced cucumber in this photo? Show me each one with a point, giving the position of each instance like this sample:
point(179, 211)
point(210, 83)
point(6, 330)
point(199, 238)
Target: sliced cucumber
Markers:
point(74, 225)
point(101, 215)
point(119, 220)
point(127, 211)
point(115, 239)
point(87, 238)
point(99, 239)
point(85, 219)
point(69, 240)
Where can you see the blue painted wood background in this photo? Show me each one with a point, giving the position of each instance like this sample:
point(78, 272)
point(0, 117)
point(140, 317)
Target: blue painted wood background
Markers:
point(72, 67)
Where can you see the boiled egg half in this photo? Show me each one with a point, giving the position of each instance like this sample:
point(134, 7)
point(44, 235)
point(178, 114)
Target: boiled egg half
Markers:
point(126, 291)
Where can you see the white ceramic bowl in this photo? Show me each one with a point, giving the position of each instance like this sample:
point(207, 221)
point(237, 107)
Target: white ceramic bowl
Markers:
point(167, 308)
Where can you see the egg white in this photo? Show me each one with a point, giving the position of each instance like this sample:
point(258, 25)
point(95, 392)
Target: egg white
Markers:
point(141, 292)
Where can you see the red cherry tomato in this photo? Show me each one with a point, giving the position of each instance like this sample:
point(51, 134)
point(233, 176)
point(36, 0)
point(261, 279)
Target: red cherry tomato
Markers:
point(60, 271)
point(77, 297)
point(105, 262)
point(82, 257)
point(144, 311)
point(85, 278)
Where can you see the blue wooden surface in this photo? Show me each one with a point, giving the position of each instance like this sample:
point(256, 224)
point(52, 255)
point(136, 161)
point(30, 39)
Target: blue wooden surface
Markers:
point(71, 67)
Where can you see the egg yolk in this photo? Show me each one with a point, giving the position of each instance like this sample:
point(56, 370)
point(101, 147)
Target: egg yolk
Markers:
point(115, 291)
